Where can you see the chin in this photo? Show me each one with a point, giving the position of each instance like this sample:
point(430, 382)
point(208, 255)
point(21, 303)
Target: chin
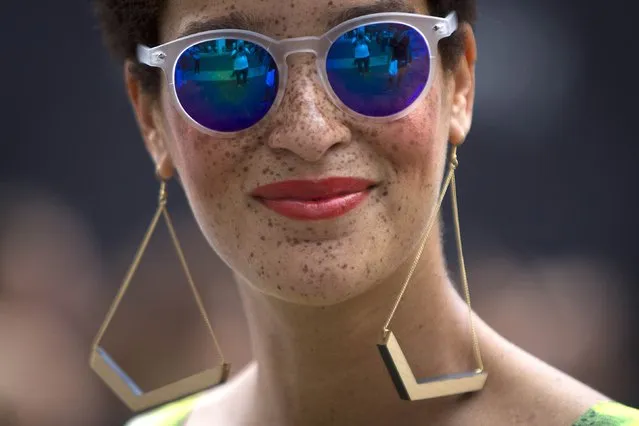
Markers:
point(310, 274)
point(313, 263)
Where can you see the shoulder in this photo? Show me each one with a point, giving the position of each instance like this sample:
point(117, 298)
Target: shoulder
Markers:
point(210, 408)
point(224, 404)
point(172, 414)
point(609, 413)
point(523, 390)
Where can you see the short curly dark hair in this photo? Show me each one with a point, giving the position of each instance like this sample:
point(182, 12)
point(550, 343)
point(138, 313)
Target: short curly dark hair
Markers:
point(127, 23)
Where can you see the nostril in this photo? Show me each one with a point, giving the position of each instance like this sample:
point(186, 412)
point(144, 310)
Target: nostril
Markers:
point(336, 146)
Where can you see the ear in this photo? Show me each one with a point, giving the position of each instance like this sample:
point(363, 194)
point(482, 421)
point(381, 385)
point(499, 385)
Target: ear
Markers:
point(463, 80)
point(149, 117)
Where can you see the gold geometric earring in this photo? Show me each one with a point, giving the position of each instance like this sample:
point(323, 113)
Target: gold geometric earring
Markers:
point(109, 371)
point(409, 387)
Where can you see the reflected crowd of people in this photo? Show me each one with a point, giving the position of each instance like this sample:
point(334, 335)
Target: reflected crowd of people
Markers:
point(227, 60)
point(223, 60)
point(393, 50)
point(240, 78)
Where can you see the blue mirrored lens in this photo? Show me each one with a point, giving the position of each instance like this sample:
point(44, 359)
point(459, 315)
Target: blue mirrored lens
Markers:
point(226, 85)
point(379, 70)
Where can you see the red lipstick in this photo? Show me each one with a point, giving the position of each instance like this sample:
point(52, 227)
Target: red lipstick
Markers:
point(314, 199)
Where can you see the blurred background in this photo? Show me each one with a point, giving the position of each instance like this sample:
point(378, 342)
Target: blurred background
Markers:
point(548, 189)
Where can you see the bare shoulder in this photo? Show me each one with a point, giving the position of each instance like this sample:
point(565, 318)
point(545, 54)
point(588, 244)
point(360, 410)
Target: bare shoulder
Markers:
point(524, 390)
point(222, 405)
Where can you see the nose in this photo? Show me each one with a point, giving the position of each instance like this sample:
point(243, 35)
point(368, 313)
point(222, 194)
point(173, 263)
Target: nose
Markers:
point(307, 122)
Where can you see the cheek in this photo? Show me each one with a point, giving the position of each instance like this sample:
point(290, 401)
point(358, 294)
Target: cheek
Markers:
point(207, 165)
point(197, 157)
point(212, 171)
point(414, 146)
point(413, 150)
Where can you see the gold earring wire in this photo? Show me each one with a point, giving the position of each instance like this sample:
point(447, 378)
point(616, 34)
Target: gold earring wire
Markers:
point(408, 387)
point(109, 371)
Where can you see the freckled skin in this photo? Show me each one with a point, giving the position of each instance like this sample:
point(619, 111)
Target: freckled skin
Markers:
point(308, 136)
point(320, 366)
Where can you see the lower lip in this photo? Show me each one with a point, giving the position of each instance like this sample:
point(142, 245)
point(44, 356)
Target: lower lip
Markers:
point(317, 210)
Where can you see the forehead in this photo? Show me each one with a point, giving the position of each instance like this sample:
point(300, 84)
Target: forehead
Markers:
point(276, 18)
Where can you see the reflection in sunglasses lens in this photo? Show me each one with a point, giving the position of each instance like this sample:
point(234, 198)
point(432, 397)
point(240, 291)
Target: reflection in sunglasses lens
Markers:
point(379, 70)
point(226, 85)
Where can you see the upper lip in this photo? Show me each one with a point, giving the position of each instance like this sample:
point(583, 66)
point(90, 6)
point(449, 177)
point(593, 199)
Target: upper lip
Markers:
point(309, 190)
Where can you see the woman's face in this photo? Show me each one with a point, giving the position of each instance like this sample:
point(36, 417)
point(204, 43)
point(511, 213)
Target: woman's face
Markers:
point(318, 262)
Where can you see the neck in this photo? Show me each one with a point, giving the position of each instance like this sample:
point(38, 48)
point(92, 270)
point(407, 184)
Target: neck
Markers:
point(317, 361)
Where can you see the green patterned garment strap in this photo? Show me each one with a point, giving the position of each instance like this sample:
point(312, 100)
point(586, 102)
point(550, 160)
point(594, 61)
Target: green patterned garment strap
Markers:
point(609, 413)
point(603, 414)
point(172, 414)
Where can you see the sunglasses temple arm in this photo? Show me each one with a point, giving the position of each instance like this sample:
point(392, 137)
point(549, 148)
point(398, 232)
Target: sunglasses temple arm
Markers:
point(144, 54)
point(451, 24)
point(150, 56)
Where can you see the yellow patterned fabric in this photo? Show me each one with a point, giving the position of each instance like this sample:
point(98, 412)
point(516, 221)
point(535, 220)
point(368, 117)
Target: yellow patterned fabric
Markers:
point(172, 414)
point(603, 414)
point(609, 413)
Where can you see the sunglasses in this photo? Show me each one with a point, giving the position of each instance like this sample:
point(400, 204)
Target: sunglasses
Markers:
point(375, 67)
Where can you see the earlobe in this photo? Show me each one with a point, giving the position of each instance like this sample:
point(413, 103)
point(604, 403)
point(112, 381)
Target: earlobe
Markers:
point(463, 96)
point(163, 164)
point(149, 121)
point(460, 120)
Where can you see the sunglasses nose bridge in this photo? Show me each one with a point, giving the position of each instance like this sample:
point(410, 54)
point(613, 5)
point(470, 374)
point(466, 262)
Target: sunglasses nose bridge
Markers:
point(290, 46)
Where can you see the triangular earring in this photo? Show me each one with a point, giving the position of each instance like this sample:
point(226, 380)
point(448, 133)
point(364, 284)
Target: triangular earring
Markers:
point(409, 387)
point(118, 380)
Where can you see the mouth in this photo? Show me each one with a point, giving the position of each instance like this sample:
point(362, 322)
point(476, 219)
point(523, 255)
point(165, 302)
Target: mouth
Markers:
point(314, 199)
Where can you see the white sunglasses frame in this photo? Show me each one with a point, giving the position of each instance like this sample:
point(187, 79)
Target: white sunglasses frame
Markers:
point(431, 28)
